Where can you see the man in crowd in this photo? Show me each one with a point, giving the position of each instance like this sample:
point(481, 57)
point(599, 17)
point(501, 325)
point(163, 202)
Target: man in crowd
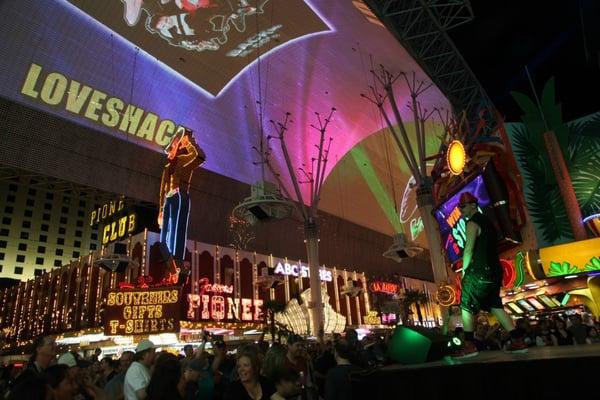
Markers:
point(76, 372)
point(223, 368)
point(287, 383)
point(108, 368)
point(337, 382)
point(44, 352)
point(114, 387)
point(296, 354)
point(138, 374)
point(192, 372)
point(188, 350)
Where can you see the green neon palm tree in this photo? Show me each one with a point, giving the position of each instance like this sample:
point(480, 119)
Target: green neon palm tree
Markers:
point(594, 265)
point(558, 269)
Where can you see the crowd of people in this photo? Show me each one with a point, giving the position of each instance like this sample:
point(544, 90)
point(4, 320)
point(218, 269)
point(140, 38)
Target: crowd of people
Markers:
point(297, 369)
point(553, 330)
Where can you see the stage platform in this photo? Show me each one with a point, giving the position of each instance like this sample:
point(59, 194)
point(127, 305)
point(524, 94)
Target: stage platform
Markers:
point(541, 373)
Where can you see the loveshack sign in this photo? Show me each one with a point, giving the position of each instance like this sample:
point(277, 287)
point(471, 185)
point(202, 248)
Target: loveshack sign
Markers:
point(142, 311)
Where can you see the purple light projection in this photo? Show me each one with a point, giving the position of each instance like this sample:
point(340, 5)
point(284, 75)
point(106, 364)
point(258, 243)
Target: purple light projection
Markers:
point(303, 70)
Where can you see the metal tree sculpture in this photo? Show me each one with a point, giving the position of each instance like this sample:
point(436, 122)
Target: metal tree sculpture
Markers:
point(314, 176)
point(240, 232)
point(416, 160)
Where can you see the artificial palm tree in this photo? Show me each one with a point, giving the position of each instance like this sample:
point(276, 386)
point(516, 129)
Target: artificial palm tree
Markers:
point(559, 164)
point(416, 297)
point(270, 309)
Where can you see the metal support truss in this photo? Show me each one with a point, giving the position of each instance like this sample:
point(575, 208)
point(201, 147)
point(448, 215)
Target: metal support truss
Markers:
point(421, 26)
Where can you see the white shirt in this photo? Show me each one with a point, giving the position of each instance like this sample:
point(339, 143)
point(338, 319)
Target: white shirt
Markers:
point(136, 378)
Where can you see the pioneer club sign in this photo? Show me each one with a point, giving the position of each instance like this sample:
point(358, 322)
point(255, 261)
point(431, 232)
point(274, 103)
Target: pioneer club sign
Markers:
point(216, 302)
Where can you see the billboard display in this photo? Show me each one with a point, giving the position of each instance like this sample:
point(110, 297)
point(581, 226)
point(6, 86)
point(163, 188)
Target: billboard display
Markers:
point(453, 226)
point(138, 69)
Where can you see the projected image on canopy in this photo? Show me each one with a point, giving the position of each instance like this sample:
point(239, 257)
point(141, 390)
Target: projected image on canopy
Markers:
point(195, 36)
point(128, 69)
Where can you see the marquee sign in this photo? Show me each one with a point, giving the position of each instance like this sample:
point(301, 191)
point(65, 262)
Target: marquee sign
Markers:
point(384, 287)
point(216, 302)
point(207, 287)
point(142, 311)
point(301, 271)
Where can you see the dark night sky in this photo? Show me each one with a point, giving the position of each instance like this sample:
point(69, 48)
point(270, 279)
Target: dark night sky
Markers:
point(553, 38)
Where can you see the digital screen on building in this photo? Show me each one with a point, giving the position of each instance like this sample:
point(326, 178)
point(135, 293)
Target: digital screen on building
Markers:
point(139, 69)
point(453, 226)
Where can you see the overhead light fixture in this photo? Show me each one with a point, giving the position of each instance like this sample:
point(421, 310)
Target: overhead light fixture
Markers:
point(264, 204)
point(402, 248)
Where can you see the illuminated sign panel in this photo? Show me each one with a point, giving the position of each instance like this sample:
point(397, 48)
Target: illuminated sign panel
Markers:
point(117, 221)
point(142, 311)
point(57, 90)
point(106, 210)
point(301, 271)
point(119, 229)
point(384, 287)
point(216, 302)
point(453, 226)
point(571, 258)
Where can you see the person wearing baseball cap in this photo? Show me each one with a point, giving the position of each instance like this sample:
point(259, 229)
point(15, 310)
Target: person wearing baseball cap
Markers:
point(482, 276)
point(138, 374)
point(72, 359)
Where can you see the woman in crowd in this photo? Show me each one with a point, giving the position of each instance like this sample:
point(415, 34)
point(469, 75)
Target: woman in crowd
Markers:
point(164, 383)
point(592, 336)
point(543, 336)
point(274, 360)
point(61, 385)
point(251, 385)
point(562, 334)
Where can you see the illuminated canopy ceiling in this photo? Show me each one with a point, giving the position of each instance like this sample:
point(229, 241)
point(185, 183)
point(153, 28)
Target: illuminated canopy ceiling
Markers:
point(137, 72)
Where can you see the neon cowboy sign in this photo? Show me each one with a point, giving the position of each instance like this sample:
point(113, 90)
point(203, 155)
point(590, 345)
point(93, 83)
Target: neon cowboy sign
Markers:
point(301, 271)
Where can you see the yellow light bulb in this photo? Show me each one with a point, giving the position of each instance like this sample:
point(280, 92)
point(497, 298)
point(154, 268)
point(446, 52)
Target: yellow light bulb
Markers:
point(456, 157)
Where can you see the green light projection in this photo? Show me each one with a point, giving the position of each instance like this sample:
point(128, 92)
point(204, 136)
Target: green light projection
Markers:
point(376, 145)
point(360, 157)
